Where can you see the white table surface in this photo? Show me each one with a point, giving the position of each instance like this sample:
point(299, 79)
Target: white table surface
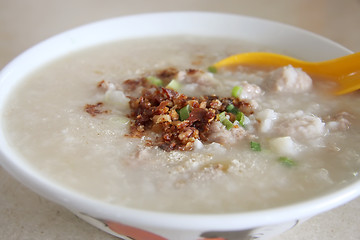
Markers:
point(25, 216)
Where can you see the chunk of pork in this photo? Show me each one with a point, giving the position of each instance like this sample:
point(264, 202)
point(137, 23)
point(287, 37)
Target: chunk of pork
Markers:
point(250, 91)
point(289, 80)
point(219, 134)
point(299, 125)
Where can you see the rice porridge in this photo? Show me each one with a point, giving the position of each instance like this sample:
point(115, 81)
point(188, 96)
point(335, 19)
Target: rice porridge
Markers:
point(146, 124)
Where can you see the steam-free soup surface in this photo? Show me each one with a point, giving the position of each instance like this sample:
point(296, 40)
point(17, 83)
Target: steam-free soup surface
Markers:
point(297, 141)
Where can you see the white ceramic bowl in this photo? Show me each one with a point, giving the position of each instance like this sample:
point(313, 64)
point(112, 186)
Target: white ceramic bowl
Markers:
point(147, 225)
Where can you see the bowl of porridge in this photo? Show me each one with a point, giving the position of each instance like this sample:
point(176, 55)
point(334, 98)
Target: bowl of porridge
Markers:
point(125, 123)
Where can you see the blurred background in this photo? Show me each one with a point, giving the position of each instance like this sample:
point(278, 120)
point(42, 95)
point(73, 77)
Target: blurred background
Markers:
point(26, 216)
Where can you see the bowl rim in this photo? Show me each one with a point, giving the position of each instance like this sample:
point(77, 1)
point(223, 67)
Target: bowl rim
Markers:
point(13, 163)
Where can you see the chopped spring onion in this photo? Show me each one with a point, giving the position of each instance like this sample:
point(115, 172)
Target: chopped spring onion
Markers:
point(212, 69)
point(184, 113)
point(222, 116)
point(174, 85)
point(287, 161)
point(236, 91)
point(255, 146)
point(225, 121)
point(231, 108)
point(240, 117)
point(155, 81)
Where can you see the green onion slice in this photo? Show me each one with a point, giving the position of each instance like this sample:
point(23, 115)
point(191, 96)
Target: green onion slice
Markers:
point(236, 91)
point(231, 108)
point(174, 85)
point(155, 81)
point(226, 122)
point(240, 117)
point(222, 116)
point(184, 113)
point(212, 69)
point(255, 146)
point(286, 161)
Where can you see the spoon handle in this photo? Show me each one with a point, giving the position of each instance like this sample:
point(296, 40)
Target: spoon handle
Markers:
point(336, 68)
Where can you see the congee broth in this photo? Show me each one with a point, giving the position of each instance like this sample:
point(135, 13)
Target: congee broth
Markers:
point(145, 123)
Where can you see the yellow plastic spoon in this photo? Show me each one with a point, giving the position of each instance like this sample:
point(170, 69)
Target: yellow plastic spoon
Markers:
point(345, 71)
